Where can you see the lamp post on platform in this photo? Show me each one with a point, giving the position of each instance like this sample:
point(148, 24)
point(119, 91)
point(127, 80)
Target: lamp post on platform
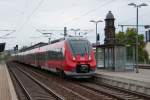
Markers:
point(96, 22)
point(137, 20)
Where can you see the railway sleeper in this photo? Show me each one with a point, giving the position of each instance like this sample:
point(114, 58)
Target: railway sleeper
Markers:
point(61, 73)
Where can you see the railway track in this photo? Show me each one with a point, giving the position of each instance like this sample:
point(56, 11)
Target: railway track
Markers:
point(115, 92)
point(83, 90)
point(65, 88)
point(33, 89)
point(144, 66)
point(21, 94)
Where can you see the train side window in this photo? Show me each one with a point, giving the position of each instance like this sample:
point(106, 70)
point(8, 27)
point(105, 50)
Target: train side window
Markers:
point(50, 56)
point(55, 55)
point(61, 55)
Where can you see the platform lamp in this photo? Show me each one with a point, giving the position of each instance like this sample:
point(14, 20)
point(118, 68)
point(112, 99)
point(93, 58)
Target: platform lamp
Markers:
point(96, 22)
point(137, 20)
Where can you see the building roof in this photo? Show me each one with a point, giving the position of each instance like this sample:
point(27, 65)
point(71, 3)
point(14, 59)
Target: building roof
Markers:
point(34, 46)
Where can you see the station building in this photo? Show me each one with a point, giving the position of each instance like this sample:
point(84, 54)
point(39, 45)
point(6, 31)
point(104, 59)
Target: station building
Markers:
point(112, 55)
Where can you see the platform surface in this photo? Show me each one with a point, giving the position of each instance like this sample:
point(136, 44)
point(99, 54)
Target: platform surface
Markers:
point(138, 82)
point(7, 91)
point(143, 75)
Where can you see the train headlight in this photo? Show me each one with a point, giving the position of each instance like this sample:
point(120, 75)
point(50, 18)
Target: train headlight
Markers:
point(89, 57)
point(74, 58)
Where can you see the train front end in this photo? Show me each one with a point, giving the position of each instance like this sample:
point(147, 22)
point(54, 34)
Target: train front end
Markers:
point(80, 60)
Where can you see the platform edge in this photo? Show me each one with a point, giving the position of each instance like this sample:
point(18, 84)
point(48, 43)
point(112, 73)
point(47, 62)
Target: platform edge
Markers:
point(11, 86)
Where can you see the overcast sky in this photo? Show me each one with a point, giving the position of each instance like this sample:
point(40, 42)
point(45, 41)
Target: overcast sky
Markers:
point(26, 16)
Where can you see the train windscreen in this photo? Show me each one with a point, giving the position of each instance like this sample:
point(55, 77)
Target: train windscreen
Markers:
point(80, 47)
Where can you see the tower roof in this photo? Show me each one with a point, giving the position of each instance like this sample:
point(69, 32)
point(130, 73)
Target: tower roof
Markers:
point(109, 15)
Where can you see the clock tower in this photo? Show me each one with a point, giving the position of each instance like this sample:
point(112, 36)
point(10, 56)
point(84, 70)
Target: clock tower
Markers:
point(114, 53)
point(109, 29)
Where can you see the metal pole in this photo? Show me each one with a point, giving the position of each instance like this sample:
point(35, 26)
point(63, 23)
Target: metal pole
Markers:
point(122, 28)
point(75, 32)
point(65, 32)
point(137, 70)
point(96, 46)
point(49, 42)
point(137, 7)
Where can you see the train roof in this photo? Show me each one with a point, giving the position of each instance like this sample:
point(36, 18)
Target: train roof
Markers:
point(34, 46)
point(41, 44)
point(75, 38)
point(68, 38)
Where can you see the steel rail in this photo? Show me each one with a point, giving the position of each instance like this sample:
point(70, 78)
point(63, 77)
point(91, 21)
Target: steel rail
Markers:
point(57, 96)
point(84, 98)
point(21, 85)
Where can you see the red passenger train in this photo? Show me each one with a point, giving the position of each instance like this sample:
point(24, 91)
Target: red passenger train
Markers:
point(71, 56)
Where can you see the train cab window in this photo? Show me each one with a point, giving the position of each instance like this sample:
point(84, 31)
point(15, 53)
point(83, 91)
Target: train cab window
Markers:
point(81, 47)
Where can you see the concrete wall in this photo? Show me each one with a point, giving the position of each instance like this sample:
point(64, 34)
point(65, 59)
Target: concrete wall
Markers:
point(148, 48)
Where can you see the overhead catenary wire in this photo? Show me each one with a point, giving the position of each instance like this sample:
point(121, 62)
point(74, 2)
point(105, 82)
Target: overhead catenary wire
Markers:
point(129, 19)
point(30, 15)
point(90, 11)
point(74, 19)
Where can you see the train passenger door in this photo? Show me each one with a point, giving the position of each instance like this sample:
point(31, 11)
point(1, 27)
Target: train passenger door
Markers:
point(46, 59)
point(34, 58)
point(38, 60)
point(62, 56)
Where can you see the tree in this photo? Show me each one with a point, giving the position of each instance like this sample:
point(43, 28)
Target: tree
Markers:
point(129, 39)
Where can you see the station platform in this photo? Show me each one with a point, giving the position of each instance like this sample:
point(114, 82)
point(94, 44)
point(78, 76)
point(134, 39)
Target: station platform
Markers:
point(7, 91)
point(139, 82)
